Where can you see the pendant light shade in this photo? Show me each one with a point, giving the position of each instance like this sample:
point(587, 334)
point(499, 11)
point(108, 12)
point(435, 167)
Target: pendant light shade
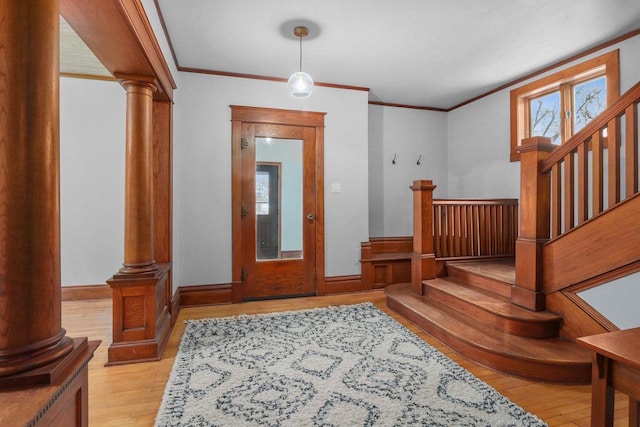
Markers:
point(300, 83)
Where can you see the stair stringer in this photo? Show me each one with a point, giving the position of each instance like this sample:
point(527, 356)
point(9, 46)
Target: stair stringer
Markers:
point(601, 245)
point(603, 248)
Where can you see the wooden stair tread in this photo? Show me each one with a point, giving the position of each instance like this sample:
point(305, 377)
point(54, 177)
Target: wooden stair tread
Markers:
point(489, 338)
point(492, 303)
point(549, 359)
point(502, 270)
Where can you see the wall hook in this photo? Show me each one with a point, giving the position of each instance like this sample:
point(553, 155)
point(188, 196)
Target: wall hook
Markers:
point(394, 159)
point(419, 160)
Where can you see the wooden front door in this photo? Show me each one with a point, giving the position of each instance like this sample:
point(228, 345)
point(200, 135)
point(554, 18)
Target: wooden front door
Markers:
point(278, 229)
point(278, 240)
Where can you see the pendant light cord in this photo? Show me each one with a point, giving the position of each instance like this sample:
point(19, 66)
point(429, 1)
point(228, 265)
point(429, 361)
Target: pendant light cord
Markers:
point(300, 37)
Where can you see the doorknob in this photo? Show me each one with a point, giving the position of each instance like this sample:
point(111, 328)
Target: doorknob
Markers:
point(310, 216)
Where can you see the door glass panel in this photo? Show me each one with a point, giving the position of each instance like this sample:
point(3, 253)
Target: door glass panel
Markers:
point(279, 189)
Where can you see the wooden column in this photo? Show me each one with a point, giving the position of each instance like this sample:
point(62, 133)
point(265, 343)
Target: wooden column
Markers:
point(138, 218)
point(535, 200)
point(423, 259)
point(30, 296)
point(43, 373)
point(141, 312)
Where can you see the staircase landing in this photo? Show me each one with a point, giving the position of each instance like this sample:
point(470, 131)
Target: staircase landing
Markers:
point(469, 312)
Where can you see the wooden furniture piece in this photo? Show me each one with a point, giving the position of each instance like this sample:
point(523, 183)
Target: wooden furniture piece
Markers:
point(616, 366)
point(385, 260)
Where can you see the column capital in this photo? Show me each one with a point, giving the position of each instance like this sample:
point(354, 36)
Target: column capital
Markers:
point(128, 80)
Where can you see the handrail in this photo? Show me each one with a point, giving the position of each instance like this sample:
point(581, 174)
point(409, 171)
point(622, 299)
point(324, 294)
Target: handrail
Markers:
point(616, 109)
point(507, 202)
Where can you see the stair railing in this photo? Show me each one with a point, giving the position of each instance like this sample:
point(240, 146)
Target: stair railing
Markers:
point(474, 227)
point(564, 186)
point(454, 228)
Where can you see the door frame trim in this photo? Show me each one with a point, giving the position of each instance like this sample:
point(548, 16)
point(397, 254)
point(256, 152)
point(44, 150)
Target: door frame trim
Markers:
point(258, 115)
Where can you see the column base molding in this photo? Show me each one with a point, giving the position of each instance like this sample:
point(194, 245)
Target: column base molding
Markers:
point(60, 397)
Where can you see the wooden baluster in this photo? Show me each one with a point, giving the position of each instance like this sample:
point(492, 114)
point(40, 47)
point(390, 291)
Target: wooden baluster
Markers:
point(631, 149)
point(481, 231)
point(464, 230)
point(436, 232)
point(583, 182)
point(507, 229)
point(440, 223)
point(459, 233)
point(569, 191)
point(487, 230)
point(469, 210)
point(597, 173)
point(476, 230)
point(556, 200)
point(450, 231)
point(498, 228)
point(514, 228)
point(491, 229)
point(491, 218)
point(613, 148)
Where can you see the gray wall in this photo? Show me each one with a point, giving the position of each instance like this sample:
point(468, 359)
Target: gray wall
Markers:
point(406, 134)
point(92, 144)
point(478, 134)
point(203, 170)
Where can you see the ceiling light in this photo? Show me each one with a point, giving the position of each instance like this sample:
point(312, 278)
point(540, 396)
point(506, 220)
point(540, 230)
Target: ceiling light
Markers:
point(300, 83)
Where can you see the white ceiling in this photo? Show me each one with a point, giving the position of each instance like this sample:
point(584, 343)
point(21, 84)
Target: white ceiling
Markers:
point(430, 53)
point(76, 57)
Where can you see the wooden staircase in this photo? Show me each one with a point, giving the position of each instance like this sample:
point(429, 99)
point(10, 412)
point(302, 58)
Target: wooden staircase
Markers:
point(470, 311)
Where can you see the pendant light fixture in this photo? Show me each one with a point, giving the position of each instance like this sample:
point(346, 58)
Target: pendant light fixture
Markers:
point(300, 83)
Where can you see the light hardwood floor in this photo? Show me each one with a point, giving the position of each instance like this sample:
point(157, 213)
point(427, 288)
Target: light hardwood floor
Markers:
point(130, 395)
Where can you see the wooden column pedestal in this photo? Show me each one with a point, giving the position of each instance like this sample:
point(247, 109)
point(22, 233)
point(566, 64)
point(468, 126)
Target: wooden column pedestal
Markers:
point(54, 395)
point(141, 316)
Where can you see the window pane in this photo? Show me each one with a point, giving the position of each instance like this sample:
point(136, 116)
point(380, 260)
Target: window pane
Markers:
point(544, 116)
point(262, 193)
point(589, 100)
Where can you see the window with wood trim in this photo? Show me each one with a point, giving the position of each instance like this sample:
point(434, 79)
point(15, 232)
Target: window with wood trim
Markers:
point(559, 105)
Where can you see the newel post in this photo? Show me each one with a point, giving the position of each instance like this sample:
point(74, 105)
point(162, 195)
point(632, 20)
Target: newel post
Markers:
point(535, 200)
point(423, 259)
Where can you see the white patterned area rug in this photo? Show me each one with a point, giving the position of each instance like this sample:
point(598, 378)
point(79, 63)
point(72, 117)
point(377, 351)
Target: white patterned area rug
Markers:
point(340, 366)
